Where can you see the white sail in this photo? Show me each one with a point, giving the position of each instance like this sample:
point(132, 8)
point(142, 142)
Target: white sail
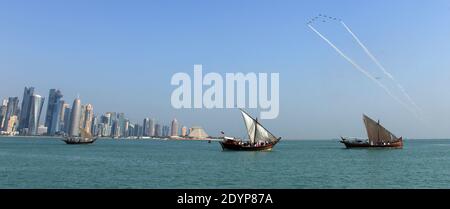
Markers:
point(263, 134)
point(250, 124)
point(256, 132)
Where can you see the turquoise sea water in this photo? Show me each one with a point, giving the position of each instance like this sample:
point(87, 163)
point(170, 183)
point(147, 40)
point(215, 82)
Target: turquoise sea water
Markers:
point(49, 163)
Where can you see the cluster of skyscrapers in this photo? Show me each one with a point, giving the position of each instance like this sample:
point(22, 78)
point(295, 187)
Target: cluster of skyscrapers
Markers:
point(62, 119)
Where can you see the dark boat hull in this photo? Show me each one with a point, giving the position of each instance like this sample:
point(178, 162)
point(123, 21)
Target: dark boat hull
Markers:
point(349, 144)
point(235, 146)
point(79, 142)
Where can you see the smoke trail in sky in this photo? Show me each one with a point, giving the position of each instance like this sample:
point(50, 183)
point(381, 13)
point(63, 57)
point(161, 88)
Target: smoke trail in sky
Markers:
point(374, 59)
point(366, 73)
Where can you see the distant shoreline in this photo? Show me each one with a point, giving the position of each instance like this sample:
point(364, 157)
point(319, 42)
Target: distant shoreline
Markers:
point(110, 138)
point(185, 139)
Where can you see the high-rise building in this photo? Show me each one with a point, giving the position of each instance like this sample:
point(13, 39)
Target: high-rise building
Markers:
point(26, 106)
point(121, 119)
point(3, 115)
point(151, 128)
point(115, 129)
point(174, 127)
point(67, 114)
point(113, 117)
point(125, 132)
point(11, 124)
point(53, 107)
point(130, 129)
point(88, 116)
point(94, 126)
point(157, 130)
point(37, 102)
point(55, 122)
point(184, 131)
point(165, 131)
point(145, 127)
point(138, 129)
point(74, 129)
point(64, 105)
point(11, 109)
point(82, 116)
point(62, 116)
point(101, 129)
point(106, 120)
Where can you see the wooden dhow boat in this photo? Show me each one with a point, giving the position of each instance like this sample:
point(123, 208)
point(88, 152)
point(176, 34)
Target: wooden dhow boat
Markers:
point(85, 138)
point(260, 139)
point(378, 136)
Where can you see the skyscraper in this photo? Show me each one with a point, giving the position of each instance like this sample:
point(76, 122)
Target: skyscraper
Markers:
point(24, 118)
point(145, 127)
point(184, 131)
point(165, 131)
point(82, 116)
point(37, 102)
point(55, 122)
point(12, 106)
point(174, 127)
point(88, 116)
point(94, 126)
point(151, 128)
point(101, 129)
point(67, 114)
point(62, 116)
point(126, 131)
point(11, 110)
point(157, 130)
point(131, 129)
point(3, 115)
point(115, 129)
point(53, 107)
point(11, 124)
point(121, 120)
point(106, 120)
point(138, 130)
point(74, 128)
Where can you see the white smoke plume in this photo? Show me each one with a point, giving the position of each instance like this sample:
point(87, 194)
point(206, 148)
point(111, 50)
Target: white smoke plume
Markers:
point(362, 70)
point(375, 60)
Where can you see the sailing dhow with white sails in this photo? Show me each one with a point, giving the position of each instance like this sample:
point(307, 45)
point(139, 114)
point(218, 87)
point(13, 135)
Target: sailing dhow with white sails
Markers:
point(259, 138)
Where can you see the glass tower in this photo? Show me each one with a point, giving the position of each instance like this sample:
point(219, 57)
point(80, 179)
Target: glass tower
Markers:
point(53, 107)
point(25, 110)
point(37, 102)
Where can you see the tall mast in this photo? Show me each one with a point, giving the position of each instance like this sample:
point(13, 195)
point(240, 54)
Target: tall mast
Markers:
point(256, 128)
point(378, 130)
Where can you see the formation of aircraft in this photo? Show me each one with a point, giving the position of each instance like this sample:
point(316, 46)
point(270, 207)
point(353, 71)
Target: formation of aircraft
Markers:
point(323, 18)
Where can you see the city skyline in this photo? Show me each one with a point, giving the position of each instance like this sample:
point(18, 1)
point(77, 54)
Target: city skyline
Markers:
point(62, 119)
point(121, 58)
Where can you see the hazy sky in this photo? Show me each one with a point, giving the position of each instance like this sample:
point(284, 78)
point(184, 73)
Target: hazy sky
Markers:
point(120, 56)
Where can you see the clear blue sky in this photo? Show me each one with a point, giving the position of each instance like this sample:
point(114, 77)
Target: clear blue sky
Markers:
point(120, 56)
